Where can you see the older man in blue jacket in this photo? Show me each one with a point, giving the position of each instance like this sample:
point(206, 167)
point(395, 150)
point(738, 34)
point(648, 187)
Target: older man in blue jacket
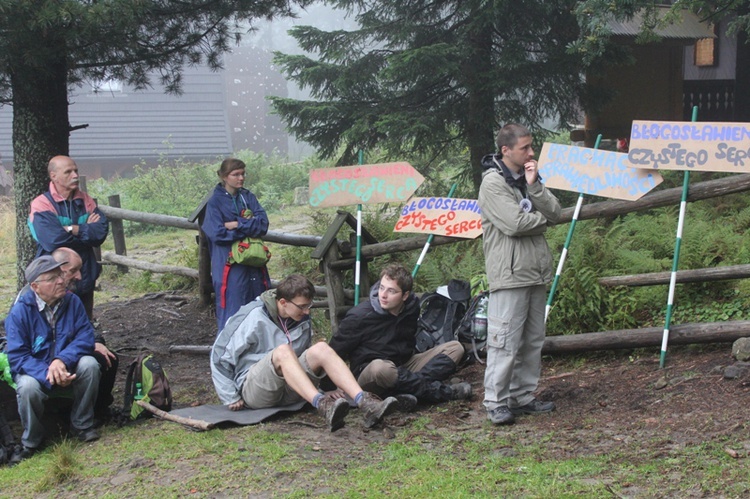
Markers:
point(65, 216)
point(50, 347)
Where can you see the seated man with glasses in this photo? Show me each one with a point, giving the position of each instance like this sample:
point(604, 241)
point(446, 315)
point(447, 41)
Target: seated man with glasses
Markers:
point(262, 358)
point(50, 349)
point(378, 338)
point(108, 360)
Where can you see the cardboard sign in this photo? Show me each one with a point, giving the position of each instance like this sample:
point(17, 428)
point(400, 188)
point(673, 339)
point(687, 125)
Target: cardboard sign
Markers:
point(442, 217)
point(364, 184)
point(594, 171)
point(699, 146)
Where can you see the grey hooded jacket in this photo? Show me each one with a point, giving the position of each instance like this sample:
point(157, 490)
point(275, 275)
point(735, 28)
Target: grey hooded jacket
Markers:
point(249, 335)
point(515, 250)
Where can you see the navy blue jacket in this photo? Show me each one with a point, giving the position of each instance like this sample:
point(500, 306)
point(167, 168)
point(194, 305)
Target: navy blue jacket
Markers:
point(33, 344)
point(244, 283)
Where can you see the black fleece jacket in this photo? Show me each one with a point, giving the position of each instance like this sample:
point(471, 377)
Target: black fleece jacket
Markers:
point(368, 332)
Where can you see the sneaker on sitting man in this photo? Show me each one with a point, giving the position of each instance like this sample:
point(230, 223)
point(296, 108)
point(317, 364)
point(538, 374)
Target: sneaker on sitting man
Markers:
point(87, 435)
point(406, 402)
point(20, 453)
point(536, 406)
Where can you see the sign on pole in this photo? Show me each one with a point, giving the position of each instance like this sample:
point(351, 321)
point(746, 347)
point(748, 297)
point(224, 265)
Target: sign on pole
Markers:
point(698, 146)
point(442, 217)
point(594, 171)
point(364, 184)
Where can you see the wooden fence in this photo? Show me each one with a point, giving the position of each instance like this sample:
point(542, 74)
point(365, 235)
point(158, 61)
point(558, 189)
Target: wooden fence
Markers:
point(338, 256)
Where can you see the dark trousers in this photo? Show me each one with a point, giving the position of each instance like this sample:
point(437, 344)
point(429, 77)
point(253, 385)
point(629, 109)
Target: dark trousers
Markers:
point(106, 383)
point(88, 303)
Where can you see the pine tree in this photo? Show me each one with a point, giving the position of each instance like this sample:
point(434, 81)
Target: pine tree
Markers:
point(47, 46)
point(421, 77)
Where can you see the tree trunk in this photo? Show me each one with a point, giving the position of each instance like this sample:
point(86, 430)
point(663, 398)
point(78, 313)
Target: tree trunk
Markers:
point(480, 118)
point(40, 131)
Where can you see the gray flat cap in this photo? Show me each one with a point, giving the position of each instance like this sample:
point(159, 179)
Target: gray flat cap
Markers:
point(41, 265)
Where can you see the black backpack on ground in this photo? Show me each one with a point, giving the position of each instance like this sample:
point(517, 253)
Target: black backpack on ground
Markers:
point(441, 314)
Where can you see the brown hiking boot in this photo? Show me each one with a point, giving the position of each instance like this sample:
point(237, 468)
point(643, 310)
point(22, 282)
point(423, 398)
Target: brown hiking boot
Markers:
point(334, 410)
point(374, 409)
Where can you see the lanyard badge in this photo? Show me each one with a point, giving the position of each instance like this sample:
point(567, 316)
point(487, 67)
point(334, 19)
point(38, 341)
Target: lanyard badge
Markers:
point(525, 205)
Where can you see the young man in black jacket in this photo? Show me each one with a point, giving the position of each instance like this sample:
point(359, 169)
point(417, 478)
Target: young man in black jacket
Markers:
point(377, 337)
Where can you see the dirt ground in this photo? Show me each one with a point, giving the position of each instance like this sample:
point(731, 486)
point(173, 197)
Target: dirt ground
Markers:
point(604, 400)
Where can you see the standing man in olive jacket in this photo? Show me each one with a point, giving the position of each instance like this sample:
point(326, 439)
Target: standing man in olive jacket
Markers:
point(516, 209)
point(378, 338)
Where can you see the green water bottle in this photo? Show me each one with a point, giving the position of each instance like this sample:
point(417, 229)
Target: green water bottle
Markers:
point(138, 392)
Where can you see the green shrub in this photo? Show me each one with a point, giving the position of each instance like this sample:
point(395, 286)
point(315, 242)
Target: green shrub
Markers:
point(273, 181)
point(177, 187)
point(644, 243)
point(174, 187)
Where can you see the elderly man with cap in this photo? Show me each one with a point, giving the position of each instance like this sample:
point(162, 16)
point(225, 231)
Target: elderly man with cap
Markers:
point(50, 348)
point(71, 264)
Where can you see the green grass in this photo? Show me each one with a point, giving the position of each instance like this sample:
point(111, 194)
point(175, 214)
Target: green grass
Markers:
point(424, 459)
point(163, 459)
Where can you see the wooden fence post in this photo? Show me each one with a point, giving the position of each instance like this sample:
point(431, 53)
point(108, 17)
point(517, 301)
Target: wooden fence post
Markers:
point(334, 285)
point(118, 233)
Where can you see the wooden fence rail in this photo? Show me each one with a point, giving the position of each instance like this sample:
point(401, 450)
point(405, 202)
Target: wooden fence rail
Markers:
point(116, 215)
point(109, 257)
point(337, 256)
point(681, 276)
point(183, 223)
point(667, 197)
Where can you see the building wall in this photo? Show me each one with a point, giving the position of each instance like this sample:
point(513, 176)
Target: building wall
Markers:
point(727, 59)
point(217, 113)
point(651, 89)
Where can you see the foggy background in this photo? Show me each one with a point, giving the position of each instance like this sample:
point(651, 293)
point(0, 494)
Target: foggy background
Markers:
point(218, 112)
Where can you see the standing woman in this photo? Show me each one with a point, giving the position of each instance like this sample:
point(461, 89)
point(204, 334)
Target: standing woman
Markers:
point(233, 213)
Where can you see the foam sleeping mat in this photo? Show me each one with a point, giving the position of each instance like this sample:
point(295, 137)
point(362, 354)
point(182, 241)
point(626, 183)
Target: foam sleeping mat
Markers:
point(217, 414)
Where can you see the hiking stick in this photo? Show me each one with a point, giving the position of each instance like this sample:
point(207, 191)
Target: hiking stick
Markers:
point(190, 422)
